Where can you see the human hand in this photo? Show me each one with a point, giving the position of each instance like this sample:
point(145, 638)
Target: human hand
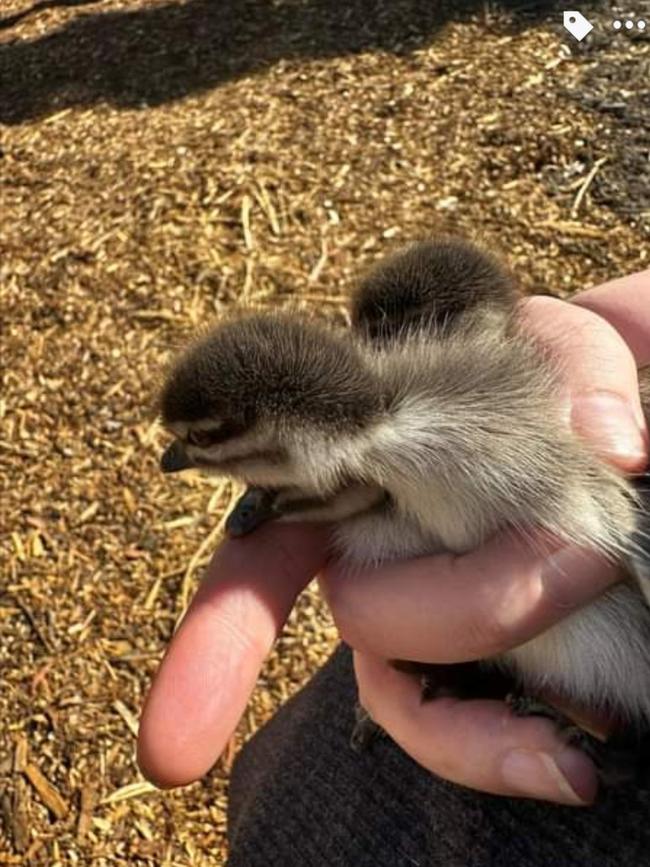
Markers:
point(437, 609)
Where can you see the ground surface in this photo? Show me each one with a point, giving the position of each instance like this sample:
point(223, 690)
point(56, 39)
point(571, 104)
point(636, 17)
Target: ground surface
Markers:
point(159, 163)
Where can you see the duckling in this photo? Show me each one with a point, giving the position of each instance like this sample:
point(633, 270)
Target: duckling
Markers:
point(429, 425)
point(433, 284)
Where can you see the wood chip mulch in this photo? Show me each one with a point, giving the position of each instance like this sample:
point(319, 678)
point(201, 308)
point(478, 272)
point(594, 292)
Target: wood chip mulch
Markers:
point(161, 162)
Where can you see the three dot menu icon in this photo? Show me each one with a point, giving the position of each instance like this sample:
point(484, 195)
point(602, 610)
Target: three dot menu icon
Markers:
point(579, 26)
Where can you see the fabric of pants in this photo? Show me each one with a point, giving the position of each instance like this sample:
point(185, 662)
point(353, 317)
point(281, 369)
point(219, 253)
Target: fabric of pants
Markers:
point(300, 795)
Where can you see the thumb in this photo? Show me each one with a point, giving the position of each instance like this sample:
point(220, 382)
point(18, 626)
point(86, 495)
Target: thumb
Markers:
point(603, 400)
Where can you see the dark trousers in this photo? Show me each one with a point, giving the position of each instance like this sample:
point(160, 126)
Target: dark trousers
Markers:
point(301, 796)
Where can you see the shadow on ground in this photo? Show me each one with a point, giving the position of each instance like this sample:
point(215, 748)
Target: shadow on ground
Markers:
point(156, 54)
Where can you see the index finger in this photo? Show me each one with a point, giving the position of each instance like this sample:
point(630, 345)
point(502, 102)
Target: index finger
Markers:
point(209, 670)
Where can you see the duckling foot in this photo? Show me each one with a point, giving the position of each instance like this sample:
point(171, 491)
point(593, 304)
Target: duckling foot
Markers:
point(253, 508)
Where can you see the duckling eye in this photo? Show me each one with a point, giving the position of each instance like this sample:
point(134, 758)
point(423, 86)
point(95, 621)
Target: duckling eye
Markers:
point(201, 438)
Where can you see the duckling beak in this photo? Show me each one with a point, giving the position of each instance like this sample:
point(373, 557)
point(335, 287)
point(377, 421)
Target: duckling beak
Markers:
point(175, 458)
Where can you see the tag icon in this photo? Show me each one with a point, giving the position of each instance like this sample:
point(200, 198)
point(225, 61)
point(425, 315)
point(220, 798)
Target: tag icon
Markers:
point(577, 25)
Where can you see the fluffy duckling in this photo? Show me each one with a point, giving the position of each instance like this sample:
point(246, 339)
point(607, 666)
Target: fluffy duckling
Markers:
point(428, 426)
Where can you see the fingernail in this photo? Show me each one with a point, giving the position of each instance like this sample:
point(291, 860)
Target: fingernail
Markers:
point(610, 424)
point(573, 576)
point(567, 778)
